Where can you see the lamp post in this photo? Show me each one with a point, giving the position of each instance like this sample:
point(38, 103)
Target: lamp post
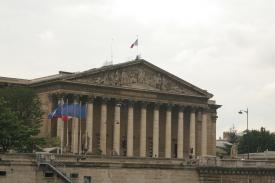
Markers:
point(241, 112)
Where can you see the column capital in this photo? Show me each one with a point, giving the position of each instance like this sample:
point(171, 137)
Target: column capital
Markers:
point(130, 103)
point(205, 110)
point(104, 100)
point(194, 109)
point(118, 103)
point(181, 108)
point(144, 104)
point(169, 106)
point(156, 105)
point(76, 98)
point(91, 98)
point(60, 95)
point(214, 116)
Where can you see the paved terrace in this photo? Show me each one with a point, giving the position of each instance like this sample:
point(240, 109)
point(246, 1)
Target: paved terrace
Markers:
point(100, 160)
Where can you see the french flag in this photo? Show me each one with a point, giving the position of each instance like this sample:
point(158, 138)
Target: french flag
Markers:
point(134, 43)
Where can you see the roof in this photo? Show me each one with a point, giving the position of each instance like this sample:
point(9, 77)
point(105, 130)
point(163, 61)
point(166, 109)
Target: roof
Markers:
point(18, 81)
point(69, 75)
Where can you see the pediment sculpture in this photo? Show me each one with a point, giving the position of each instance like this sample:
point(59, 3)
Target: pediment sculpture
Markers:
point(138, 77)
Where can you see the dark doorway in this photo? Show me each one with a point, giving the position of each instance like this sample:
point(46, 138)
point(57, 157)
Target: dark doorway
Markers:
point(176, 150)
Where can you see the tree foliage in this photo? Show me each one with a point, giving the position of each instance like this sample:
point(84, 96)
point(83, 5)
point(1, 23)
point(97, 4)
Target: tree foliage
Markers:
point(256, 141)
point(20, 119)
point(232, 138)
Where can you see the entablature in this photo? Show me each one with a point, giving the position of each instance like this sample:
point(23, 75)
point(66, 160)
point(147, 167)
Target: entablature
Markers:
point(123, 93)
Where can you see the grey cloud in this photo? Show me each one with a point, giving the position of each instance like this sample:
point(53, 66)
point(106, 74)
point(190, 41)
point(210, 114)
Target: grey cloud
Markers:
point(226, 47)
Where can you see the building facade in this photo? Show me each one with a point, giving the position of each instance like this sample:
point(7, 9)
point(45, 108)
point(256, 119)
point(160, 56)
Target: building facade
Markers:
point(134, 109)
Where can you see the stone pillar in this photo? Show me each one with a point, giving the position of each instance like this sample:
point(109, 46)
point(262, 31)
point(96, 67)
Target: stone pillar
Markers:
point(213, 132)
point(204, 134)
point(168, 128)
point(60, 125)
point(89, 125)
point(130, 130)
point(116, 138)
point(143, 136)
point(50, 109)
point(75, 127)
point(103, 127)
point(156, 131)
point(192, 132)
point(180, 133)
point(46, 107)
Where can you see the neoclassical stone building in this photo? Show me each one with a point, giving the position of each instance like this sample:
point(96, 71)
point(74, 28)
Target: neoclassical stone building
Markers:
point(133, 109)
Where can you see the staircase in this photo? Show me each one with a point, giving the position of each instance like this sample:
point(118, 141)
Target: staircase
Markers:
point(47, 160)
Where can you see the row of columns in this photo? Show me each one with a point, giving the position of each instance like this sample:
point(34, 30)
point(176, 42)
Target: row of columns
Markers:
point(75, 147)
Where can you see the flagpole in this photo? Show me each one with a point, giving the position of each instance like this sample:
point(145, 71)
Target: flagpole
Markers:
point(67, 141)
point(137, 46)
point(62, 134)
point(112, 55)
point(74, 138)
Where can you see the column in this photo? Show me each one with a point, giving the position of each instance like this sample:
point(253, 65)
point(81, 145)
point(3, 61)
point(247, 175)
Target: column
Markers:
point(49, 121)
point(46, 107)
point(204, 134)
point(168, 140)
point(156, 131)
point(103, 127)
point(192, 133)
point(60, 126)
point(75, 127)
point(116, 138)
point(180, 133)
point(130, 130)
point(89, 125)
point(143, 136)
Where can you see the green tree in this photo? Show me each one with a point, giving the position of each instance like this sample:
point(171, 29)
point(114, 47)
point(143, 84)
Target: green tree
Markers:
point(10, 125)
point(21, 110)
point(256, 141)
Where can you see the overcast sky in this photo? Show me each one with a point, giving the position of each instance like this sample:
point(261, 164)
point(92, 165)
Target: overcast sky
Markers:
point(224, 46)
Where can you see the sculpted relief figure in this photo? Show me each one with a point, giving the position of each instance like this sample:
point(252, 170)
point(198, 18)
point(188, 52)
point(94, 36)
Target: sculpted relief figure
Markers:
point(141, 76)
point(138, 75)
point(117, 78)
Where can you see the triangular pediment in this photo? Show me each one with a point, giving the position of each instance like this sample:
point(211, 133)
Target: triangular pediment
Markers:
point(138, 75)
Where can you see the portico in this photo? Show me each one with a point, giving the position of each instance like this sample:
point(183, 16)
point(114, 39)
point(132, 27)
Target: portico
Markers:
point(134, 109)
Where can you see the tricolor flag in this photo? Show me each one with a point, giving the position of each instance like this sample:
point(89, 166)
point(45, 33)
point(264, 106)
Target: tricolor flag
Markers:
point(67, 111)
point(134, 44)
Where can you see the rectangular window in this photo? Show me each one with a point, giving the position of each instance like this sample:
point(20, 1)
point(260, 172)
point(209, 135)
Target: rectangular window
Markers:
point(3, 173)
point(48, 174)
point(74, 175)
point(87, 179)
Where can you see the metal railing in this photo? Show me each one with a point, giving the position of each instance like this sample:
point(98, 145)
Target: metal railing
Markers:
point(235, 163)
point(48, 160)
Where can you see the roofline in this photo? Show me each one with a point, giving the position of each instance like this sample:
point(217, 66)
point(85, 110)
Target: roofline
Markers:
point(68, 75)
point(134, 62)
point(14, 80)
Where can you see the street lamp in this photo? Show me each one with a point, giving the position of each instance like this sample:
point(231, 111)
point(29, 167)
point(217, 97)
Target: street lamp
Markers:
point(241, 112)
point(245, 111)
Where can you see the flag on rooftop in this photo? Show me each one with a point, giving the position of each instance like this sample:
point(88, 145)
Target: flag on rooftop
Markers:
point(134, 43)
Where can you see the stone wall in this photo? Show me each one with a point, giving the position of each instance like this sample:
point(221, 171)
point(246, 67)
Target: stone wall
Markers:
point(23, 168)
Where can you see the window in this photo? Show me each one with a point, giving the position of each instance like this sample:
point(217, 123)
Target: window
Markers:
point(87, 179)
point(3, 173)
point(48, 174)
point(74, 175)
